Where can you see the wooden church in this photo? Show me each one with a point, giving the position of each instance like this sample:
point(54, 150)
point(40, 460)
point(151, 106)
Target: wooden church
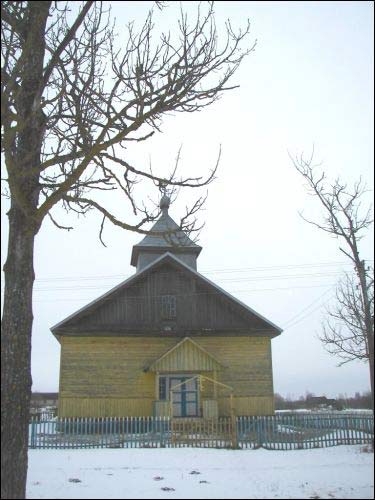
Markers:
point(165, 341)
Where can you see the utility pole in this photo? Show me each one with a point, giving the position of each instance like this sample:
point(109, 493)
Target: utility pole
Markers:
point(369, 322)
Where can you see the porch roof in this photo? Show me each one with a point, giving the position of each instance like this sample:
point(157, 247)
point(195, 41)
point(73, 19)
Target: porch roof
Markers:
point(186, 355)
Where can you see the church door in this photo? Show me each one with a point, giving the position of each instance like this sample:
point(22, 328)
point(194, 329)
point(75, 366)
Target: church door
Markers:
point(185, 397)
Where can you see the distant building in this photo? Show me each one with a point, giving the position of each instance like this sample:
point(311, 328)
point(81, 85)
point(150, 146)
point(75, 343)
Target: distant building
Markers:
point(41, 400)
point(320, 402)
point(125, 352)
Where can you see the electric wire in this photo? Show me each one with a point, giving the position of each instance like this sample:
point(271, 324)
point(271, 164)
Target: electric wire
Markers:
point(291, 320)
point(188, 295)
point(227, 280)
point(204, 271)
point(303, 318)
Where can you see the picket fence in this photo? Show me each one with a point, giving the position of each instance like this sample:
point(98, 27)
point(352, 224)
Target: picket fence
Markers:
point(279, 432)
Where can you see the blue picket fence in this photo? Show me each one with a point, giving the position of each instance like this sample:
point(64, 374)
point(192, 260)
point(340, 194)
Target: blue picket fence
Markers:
point(279, 432)
point(286, 432)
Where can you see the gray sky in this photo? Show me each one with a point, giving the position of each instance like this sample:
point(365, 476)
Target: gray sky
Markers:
point(309, 81)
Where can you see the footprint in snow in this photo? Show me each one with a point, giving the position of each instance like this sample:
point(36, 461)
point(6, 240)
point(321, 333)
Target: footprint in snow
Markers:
point(158, 478)
point(165, 488)
point(74, 480)
point(194, 472)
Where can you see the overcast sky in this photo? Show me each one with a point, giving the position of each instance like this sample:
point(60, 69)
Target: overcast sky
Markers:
point(308, 82)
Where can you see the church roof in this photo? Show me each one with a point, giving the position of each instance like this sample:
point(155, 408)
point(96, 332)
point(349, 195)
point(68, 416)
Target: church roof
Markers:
point(177, 240)
point(166, 223)
point(273, 329)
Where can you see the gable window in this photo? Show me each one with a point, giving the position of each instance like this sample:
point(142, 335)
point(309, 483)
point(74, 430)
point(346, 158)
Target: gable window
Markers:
point(168, 307)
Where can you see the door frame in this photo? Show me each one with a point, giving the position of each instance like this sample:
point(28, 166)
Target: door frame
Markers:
point(184, 392)
point(180, 378)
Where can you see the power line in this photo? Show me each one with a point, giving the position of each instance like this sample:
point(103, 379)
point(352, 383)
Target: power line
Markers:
point(291, 320)
point(207, 271)
point(304, 317)
point(287, 325)
point(231, 280)
point(314, 264)
point(69, 299)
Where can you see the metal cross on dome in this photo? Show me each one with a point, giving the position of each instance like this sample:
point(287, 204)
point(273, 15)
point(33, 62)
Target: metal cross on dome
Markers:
point(165, 198)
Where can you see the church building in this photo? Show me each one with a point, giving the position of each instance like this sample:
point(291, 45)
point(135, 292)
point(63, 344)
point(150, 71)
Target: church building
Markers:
point(165, 341)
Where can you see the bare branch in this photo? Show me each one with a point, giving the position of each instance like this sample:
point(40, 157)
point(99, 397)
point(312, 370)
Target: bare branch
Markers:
point(58, 225)
point(101, 231)
point(348, 331)
point(70, 35)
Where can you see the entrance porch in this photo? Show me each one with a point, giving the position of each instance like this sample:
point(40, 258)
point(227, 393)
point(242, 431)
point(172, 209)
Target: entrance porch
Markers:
point(186, 383)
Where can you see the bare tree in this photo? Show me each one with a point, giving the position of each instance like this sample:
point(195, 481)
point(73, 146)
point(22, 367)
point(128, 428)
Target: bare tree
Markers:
point(344, 330)
point(353, 336)
point(72, 102)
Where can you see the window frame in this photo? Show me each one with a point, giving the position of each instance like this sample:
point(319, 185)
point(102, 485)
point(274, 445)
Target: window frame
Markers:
point(168, 307)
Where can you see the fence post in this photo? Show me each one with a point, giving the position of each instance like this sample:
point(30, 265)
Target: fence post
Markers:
point(258, 422)
point(234, 432)
point(233, 422)
point(347, 439)
point(32, 437)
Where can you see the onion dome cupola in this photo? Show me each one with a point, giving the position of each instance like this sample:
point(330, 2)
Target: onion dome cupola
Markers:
point(178, 243)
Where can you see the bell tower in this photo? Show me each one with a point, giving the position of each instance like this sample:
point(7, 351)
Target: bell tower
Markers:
point(177, 243)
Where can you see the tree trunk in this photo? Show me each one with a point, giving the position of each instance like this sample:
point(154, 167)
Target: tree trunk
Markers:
point(16, 355)
point(19, 271)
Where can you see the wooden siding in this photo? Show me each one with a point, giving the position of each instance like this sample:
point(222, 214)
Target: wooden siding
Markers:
point(131, 407)
point(247, 363)
point(185, 356)
point(109, 367)
point(137, 307)
point(104, 407)
point(162, 408)
point(210, 408)
point(105, 376)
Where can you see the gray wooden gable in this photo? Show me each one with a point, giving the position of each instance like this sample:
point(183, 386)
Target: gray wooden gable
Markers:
point(135, 307)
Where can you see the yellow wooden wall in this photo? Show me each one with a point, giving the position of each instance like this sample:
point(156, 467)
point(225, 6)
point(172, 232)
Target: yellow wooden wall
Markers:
point(104, 376)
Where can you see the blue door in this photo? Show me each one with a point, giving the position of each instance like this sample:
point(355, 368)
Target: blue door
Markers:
point(185, 397)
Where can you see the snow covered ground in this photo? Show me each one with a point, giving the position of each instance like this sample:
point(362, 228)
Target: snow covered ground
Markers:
point(325, 411)
point(338, 472)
